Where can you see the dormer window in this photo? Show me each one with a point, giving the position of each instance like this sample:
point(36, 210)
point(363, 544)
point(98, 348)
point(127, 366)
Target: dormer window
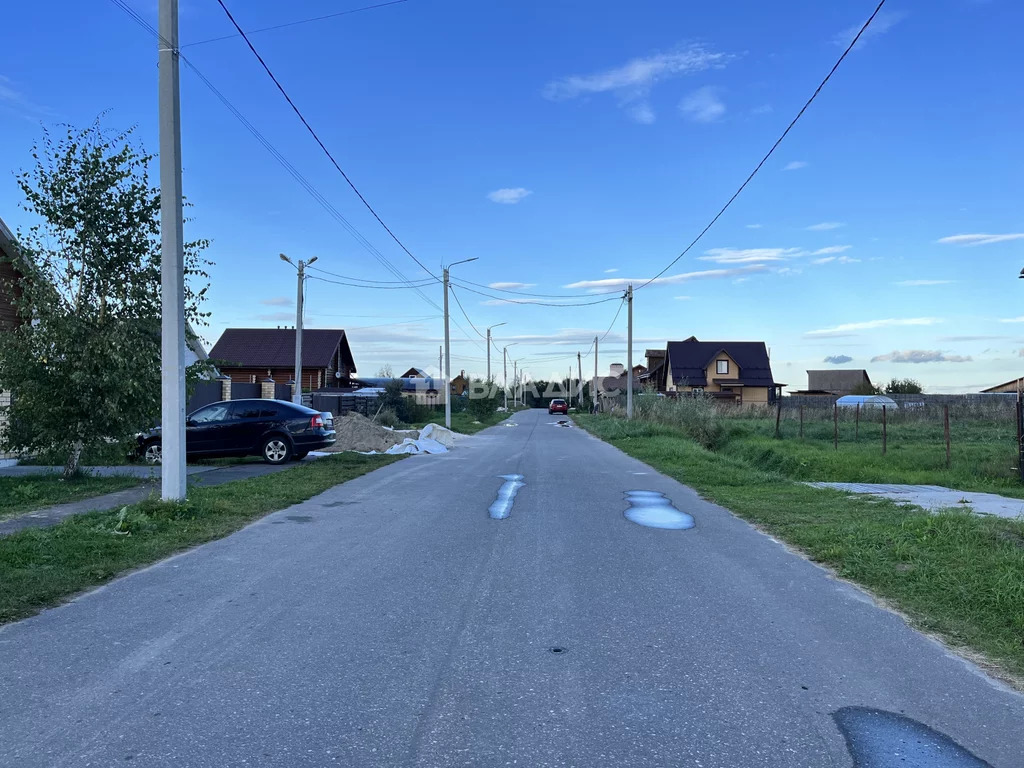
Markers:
point(723, 366)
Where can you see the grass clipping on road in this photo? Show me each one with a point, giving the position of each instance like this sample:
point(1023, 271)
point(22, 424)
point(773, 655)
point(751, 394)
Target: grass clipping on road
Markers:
point(953, 574)
point(43, 566)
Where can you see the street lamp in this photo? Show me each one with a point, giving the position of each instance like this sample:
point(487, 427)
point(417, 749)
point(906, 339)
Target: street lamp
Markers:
point(489, 350)
point(504, 375)
point(301, 267)
point(447, 349)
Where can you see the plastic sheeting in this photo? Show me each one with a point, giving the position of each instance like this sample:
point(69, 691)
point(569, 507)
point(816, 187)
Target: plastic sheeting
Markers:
point(433, 438)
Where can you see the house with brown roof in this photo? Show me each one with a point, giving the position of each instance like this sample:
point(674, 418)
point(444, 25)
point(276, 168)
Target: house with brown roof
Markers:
point(254, 354)
point(837, 383)
point(733, 371)
point(1010, 387)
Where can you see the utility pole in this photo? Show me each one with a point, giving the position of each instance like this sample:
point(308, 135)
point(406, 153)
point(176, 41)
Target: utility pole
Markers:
point(504, 375)
point(448, 349)
point(579, 366)
point(629, 354)
point(489, 351)
point(301, 268)
point(173, 479)
point(593, 387)
point(515, 382)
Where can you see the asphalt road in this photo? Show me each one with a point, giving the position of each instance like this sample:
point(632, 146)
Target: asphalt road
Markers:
point(392, 621)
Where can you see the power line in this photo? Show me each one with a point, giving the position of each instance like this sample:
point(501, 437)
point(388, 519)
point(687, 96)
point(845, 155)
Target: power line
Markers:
point(617, 313)
point(538, 303)
point(539, 295)
point(456, 297)
point(770, 151)
point(394, 287)
point(319, 142)
point(296, 23)
point(363, 279)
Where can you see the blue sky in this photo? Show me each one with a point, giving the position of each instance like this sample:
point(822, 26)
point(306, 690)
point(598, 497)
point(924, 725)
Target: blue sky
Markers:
point(573, 143)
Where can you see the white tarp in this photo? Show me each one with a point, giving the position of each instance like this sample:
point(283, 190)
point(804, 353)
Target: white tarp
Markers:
point(433, 438)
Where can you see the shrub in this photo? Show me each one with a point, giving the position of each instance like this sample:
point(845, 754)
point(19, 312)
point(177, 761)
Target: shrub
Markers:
point(387, 418)
point(698, 417)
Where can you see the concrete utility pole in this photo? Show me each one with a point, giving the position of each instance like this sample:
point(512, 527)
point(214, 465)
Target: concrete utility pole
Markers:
point(299, 300)
point(448, 349)
point(579, 366)
point(489, 351)
point(515, 382)
point(629, 355)
point(173, 479)
point(593, 387)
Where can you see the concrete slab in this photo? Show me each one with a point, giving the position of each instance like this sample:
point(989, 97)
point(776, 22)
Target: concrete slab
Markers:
point(935, 497)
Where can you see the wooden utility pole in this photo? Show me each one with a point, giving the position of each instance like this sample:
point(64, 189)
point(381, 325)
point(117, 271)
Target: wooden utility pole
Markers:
point(778, 417)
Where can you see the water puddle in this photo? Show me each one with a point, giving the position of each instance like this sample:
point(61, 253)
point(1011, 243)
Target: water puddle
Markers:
point(300, 518)
point(502, 506)
point(560, 423)
point(877, 739)
point(652, 509)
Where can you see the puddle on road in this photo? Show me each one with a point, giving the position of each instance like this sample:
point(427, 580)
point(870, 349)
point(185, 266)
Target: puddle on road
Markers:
point(653, 510)
point(560, 423)
point(502, 506)
point(878, 739)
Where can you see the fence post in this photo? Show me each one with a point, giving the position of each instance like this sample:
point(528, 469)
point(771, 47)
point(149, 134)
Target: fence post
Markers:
point(778, 416)
point(835, 425)
point(885, 435)
point(856, 435)
point(801, 422)
point(225, 386)
point(945, 424)
point(267, 389)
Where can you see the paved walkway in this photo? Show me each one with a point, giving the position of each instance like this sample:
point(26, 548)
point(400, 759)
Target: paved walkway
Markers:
point(204, 475)
point(935, 497)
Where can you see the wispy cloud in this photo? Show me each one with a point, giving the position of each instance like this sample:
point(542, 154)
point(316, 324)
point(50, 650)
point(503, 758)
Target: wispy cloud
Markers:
point(274, 316)
point(972, 338)
point(610, 271)
point(632, 82)
point(753, 226)
point(836, 260)
point(508, 195)
point(882, 23)
point(826, 225)
point(920, 356)
point(979, 239)
point(838, 359)
point(682, 298)
point(794, 165)
point(15, 102)
point(702, 106)
point(868, 325)
point(915, 283)
point(278, 301)
point(685, 277)
point(831, 249)
point(510, 286)
point(764, 109)
point(1019, 319)
point(748, 255)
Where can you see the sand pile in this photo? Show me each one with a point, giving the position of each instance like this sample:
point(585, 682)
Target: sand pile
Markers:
point(358, 433)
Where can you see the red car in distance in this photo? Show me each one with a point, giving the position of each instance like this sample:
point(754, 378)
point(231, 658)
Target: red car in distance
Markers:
point(558, 406)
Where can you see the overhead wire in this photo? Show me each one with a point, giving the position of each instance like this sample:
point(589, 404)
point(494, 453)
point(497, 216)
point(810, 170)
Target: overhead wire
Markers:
point(318, 140)
point(296, 23)
point(770, 152)
point(539, 295)
point(538, 303)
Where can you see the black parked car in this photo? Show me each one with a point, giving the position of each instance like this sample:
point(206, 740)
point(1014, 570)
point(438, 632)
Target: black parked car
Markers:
point(274, 429)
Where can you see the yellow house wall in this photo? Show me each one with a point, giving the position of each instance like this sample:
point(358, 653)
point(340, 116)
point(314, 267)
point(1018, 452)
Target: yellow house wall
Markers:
point(751, 395)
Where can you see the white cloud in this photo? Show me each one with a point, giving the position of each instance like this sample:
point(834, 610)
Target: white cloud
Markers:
point(794, 165)
point(838, 359)
point(826, 225)
point(882, 23)
point(831, 249)
point(920, 356)
point(1013, 320)
point(753, 226)
point(913, 283)
point(12, 100)
point(510, 286)
point(685, 277)
point(748, 255)
point(682, 298)
point(633, 81)
point(610, 271)
point(278, 301)
point(979, 239)
point(868, 325)
point(702, 106)
point(508, 196)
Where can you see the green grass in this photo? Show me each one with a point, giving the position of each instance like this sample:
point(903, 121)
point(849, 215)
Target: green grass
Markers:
point(465, 422)
point(953, 574)
point(41, 567)
point(28, 493)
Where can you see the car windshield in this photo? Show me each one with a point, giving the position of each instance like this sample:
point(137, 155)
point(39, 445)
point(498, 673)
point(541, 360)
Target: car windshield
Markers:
point(216, 412)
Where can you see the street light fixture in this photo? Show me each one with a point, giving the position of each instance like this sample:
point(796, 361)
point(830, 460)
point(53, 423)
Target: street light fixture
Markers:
point(447, 348)
point(489, 350)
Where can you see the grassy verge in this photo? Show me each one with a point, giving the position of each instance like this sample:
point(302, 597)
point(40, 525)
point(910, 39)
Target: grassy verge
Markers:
point(953, 574)
point(42, 567)
point(28, 493)
point(467, 423)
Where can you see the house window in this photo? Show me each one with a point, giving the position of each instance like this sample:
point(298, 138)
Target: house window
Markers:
point(723, 366)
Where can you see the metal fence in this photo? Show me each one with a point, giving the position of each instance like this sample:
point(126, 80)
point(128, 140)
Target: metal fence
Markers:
point(243, 389)
point(205, 392)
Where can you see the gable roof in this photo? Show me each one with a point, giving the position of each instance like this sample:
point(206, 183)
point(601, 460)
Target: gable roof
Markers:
point(414, 373)
point(275, 348)
point(838, 382)
point(688, 361)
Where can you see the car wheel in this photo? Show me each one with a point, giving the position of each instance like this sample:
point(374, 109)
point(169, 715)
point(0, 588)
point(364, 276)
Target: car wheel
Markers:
point(152, 453)
point(300, 456)
point(276, 450)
